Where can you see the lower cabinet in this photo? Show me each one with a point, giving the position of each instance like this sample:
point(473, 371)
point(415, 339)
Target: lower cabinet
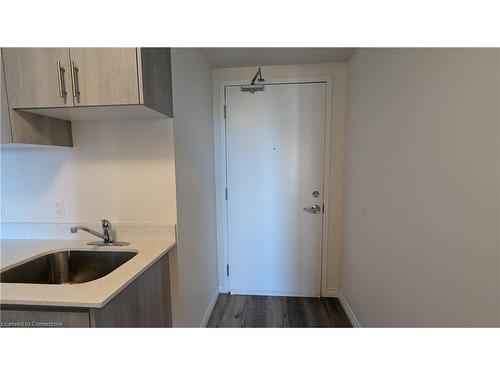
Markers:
point(145, 302)
point(36, 317)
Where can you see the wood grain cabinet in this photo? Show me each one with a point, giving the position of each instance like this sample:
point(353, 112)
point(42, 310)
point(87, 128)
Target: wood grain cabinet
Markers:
point(105, 76)
point(46, 88)
point(18, 127)
point(5, 130)
point(38, 77)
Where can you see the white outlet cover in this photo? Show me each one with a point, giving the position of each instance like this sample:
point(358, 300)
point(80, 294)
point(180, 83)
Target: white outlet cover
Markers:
point(59, 211)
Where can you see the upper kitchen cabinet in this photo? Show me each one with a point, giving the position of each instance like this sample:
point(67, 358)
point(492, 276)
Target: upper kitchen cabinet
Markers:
point(5, 130)
point(22, 128)
point(90, 83)
point(38, 77)
point(105, 76)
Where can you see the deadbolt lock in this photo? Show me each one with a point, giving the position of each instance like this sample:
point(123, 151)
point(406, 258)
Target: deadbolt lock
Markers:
point(315, 194)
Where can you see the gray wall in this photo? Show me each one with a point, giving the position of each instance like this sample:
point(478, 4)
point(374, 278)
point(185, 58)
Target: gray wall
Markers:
point(421, 213)
point(194, 274)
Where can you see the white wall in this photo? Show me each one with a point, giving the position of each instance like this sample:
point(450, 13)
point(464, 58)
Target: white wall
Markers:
point(196, 258)
point(421, 219)
point(337, 71)
point(120, 170)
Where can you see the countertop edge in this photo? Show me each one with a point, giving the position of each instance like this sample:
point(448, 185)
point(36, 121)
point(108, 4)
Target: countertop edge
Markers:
point(133, 278)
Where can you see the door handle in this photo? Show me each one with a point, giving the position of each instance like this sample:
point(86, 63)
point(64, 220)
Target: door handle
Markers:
point(315, 209)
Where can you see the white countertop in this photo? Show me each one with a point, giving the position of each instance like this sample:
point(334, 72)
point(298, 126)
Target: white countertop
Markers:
point(94, 293)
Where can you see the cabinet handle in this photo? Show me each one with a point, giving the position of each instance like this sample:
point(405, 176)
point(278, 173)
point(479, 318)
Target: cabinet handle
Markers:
point(76, 84)
point(60, 80)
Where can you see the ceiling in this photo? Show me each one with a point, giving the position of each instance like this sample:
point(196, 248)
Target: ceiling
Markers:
point(233, 57)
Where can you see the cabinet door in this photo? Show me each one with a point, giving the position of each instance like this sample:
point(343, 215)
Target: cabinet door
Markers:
point(5, 130)
point(105, 76)
point(38, 77)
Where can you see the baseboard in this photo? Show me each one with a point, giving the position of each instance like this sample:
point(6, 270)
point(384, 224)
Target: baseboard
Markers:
point(350, 314)
point(223, 289)
point(330, 292)
point(210, 308)
point(245, 292)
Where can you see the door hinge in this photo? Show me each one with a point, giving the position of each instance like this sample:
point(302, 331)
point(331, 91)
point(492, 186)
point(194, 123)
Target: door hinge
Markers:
point(323, 208)
point(227, 270)
point(226, 193)
point(224, 111)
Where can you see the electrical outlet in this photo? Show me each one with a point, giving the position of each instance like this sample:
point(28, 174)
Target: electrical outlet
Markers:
point(59, 210)
point(364, 211)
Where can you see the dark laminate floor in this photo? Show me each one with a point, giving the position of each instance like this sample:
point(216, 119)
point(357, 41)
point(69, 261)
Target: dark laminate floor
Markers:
point(264, 311)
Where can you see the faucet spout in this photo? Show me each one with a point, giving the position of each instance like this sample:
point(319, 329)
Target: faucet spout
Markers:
point(107, 234)
point(75, 229)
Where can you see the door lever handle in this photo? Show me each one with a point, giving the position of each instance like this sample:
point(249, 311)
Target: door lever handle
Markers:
point(315, 209)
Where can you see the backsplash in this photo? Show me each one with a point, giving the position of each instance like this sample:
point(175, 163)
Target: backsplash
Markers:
point(120, 170)
point(60, 231)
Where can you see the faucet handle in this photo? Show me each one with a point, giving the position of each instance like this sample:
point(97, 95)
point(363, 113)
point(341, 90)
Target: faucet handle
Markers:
point(106, 228)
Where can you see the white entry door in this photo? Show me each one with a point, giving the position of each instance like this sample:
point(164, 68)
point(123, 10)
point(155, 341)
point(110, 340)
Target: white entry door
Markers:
point(275, 158)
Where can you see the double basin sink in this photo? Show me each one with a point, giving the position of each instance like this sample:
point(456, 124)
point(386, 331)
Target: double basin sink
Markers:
point(67, 267)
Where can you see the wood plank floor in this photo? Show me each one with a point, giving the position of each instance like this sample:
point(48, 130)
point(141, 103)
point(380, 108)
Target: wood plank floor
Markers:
point(266, 311)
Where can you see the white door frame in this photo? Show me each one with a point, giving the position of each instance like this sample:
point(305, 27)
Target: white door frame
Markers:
point(220, 174)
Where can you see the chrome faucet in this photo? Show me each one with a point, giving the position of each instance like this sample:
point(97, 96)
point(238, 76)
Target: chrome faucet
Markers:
point(107, 234)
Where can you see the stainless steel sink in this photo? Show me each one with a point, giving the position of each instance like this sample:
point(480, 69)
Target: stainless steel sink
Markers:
point(67, 267)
